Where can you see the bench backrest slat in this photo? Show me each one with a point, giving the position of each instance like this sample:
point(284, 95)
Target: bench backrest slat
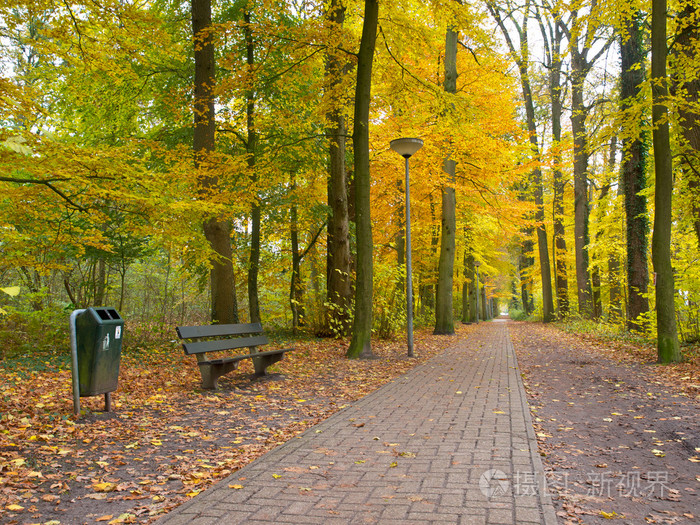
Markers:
point(224, 344)
point(218, 330)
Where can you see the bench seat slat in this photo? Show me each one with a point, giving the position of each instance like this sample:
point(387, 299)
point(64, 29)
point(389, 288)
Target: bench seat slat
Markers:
point(218, 330)
point(241, 357)
point(224, 344)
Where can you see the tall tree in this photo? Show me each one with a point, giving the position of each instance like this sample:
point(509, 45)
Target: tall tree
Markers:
point(467, 285)
point(552, 38)
point(360, 344)
point(444, 318)
point(667, 335)
point(582, 36)
point(521, 58)
point(216, 229)
point(596, 295)
point(634, 167)
point(615, 282)
point(339, 283)
point(251, 146)
point(686, 87)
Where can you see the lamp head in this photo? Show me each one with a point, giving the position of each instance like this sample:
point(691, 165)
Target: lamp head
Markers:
point(406, 146)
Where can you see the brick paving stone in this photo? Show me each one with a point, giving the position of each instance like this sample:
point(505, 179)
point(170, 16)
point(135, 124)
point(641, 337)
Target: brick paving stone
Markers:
point(465, 453)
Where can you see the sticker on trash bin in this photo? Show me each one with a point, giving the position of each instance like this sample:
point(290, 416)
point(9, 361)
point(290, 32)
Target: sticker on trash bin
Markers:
point(105, 343)
point(118, 332)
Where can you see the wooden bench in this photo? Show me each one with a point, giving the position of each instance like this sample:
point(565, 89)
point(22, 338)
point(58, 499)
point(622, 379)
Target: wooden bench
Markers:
point(200, 340)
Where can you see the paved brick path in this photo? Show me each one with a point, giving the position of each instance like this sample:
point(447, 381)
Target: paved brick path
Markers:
point(451, 442)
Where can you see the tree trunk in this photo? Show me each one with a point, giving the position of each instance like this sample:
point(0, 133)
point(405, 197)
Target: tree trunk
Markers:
point(400, 220)
point(100, 281)
point(444, 317)
point(522, 59)
point(536, 184)
point(667, 335)
point(560, 272)
point(338, 278)
point(427, 290)
point(216, 230)
point(596, 292)
point(472, 289)
point(525, 262)
point(634, 177)
point(615, 298)
point(251, 146)
point(468, 312)
point(685, 50)
point(360, 345)
point(296, 288)
point(546, 272)
point(554, 35)
point(581, 209)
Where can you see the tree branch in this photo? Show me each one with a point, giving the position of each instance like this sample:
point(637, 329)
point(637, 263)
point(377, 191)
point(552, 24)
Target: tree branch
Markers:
point(48, 184)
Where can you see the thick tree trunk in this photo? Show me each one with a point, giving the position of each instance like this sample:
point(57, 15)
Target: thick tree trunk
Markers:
point(687, 86)
point(444, 317)
point(339, 281)
point(360, 345)
point(216, 230)
point(667, 335)
point(634, 177)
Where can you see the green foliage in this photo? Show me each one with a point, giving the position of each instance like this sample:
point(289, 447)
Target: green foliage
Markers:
point(518, 315)
point(389, 301)
point(336, 314)
point(12, 291)
point(28, 332)
point(613, 331)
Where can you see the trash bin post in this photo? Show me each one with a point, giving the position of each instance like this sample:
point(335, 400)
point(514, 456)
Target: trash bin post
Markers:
point(74, 360)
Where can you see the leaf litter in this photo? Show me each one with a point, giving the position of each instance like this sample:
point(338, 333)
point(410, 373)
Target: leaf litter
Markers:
point(166, 440)
point(617, 433)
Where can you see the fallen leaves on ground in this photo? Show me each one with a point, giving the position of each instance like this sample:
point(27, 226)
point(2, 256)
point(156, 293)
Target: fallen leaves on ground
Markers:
point(616, 432)
point(166, 440)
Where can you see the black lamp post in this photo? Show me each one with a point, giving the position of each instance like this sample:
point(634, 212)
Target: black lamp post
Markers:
point(406, 147)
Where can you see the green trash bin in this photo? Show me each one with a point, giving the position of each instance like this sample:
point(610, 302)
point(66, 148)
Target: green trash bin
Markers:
point(99, 348)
